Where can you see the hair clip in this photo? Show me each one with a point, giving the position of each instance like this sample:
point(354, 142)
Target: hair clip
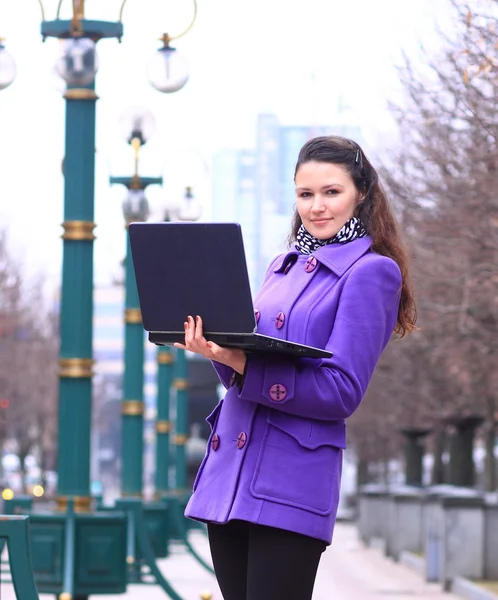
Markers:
point(357, 159)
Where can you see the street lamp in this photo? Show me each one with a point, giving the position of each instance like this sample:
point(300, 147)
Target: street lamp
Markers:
point(77, 64)
point(137, 125)
point(7, 67)
point(168, 70)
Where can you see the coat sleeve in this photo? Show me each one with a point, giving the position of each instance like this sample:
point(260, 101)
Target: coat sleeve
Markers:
point(225, 373)
point(332, 388)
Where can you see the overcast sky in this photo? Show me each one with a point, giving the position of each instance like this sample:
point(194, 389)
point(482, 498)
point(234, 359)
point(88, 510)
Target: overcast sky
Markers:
point(298, 60)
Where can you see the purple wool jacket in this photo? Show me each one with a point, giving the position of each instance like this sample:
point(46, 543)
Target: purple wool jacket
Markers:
point(274, 456)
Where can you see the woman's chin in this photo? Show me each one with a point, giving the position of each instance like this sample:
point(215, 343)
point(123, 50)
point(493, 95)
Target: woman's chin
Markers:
point(323, 233)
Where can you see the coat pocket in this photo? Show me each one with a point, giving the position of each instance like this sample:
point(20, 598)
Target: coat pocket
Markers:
point(212, 419)
point(299, 463)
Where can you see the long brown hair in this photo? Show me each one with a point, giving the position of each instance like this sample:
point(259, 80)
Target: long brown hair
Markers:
point(374, 211)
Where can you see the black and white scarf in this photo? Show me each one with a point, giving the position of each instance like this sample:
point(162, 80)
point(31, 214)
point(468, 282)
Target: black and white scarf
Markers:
point(352, 230)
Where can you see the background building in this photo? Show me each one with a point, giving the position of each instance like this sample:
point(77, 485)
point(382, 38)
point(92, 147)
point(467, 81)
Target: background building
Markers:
point(256, 187)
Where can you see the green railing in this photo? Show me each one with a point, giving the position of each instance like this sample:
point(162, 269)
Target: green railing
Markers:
point(14, 533)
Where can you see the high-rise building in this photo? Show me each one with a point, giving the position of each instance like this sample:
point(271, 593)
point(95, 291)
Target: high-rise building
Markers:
point(234, 200)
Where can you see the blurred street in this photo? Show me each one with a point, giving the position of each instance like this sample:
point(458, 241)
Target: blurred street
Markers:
point(348, 571)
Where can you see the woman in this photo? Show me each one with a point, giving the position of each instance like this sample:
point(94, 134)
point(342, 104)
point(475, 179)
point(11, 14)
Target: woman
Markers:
point(268, 487)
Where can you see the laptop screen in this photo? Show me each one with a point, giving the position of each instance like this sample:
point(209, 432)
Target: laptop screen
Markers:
point(192, 269)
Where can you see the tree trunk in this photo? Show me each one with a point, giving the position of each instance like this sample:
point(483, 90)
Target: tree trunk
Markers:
point(437, 476)
point(23, 453)
point(24, 483)
point(362, 473)
point(490, 481)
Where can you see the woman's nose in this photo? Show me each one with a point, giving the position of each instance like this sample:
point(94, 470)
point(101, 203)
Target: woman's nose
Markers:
point(318, 204)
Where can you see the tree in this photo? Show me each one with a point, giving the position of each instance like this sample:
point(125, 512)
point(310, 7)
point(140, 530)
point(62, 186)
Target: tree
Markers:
point(28, 379)
point(443, 180)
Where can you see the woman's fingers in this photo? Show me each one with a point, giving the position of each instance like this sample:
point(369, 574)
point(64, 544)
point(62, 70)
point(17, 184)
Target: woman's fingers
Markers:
point(214, 348)
point(189, 330)
point(199, 334)
point(194, 336)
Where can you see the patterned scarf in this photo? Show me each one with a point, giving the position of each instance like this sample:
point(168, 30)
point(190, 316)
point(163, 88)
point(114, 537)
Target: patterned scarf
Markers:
point(352, 230)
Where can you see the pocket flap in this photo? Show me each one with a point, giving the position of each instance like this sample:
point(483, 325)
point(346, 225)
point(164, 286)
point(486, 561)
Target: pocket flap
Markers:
point(310, 433)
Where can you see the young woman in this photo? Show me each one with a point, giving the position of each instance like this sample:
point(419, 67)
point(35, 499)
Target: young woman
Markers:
point(268, 487)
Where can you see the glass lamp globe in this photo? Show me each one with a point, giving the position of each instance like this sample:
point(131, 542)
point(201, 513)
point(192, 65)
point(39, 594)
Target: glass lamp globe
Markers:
point(190, 209)
point(77, 62)
point(168, 71)
point(135, 206)
point(7, 68)
point(137, 122)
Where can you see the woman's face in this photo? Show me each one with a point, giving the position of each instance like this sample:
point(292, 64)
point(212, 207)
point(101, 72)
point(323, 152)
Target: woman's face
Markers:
point(326, 198)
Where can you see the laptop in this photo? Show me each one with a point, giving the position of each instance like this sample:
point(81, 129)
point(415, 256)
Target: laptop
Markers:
point(200, 269)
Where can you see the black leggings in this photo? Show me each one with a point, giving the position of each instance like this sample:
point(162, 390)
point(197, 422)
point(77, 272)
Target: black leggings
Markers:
point(255, 562)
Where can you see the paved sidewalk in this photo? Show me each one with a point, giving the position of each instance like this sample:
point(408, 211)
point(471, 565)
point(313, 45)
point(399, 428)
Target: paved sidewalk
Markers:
point(348, 571)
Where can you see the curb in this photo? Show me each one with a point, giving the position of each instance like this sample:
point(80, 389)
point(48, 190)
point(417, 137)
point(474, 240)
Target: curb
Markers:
point(413, 561)
point(471, 591)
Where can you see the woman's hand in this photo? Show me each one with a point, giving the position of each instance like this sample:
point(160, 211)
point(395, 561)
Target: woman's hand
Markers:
point(196, 342)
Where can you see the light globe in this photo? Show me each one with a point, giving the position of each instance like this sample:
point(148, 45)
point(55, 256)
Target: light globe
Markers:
point(135, 206)
point(190, 209)
point(77, 62)
point(168, 70)
point(137, 123)
point(8, 68)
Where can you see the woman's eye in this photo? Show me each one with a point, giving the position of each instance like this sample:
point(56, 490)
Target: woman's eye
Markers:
point(304, 194)
point(332, 192)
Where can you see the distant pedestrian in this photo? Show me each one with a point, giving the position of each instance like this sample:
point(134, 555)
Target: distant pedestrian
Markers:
point(268, 487)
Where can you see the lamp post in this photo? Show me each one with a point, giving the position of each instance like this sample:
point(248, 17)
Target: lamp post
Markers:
point(189, 210)
point(173, 369)
point(77, 553)
point(77, 64)
point(138, 125)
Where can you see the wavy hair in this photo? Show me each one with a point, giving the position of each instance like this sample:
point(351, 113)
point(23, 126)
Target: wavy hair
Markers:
point(374, 211)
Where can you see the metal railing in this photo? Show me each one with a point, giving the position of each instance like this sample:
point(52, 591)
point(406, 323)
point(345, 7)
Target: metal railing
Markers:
point(14, 533)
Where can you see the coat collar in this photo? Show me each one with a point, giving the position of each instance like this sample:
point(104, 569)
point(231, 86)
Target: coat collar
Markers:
point(337, 257)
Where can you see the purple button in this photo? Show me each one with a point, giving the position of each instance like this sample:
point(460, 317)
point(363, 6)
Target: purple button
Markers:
point(278, 392)
point(310, 264)
point(257, 314)
point(215, 442)
point(280, 320)
point(241, 440)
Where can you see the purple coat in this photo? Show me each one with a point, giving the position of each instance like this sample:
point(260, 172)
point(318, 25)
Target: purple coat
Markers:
point(274, 456)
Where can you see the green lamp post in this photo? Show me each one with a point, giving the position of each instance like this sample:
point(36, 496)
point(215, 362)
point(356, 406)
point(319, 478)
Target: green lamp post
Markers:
point(173, 374)
point(77, 552)
point(189, 209)
point(165, 365)
point(77, 64)
point(138, 125)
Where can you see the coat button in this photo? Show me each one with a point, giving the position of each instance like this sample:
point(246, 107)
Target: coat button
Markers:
point(280, 320)
point(310, 264)
point(278, 392)
point(215, 442)
point(241, 440)
point(257, 314)
point(233, 379)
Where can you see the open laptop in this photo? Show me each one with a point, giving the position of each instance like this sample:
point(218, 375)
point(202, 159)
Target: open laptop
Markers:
point(200, 269)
